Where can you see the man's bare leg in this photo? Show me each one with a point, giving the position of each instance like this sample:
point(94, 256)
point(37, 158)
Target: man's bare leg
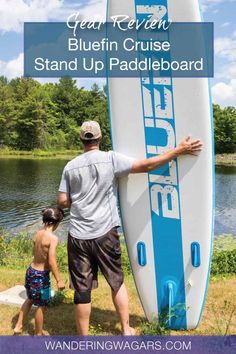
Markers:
point(39, 316)
point(82, 316)
point(121, 303)
point(22, 315)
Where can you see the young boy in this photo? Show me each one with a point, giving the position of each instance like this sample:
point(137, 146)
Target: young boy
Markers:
point(37, 279)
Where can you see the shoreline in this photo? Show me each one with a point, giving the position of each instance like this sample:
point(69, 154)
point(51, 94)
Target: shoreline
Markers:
point(225, 160)
point(220, 159)
point(39, 154)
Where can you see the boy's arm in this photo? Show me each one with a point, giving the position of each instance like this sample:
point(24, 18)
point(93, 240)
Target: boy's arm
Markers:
point(186, 146)
point(53, 262)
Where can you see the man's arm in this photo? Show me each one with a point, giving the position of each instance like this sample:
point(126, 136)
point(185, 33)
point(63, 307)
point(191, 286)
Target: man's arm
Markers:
point(63, 200)
point(186, 146)
point(52, 261)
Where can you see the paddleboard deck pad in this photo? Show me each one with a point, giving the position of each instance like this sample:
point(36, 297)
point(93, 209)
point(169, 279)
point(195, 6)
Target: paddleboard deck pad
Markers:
point(167, 214)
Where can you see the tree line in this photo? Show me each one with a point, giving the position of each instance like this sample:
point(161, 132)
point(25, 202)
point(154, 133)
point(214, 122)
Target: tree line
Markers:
point(49, 116)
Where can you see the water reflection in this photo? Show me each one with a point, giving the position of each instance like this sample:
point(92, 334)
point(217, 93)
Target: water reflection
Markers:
point(225, 214)
point(27, 186)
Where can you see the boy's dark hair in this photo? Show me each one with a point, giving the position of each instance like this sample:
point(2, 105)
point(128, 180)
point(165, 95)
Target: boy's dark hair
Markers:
point(52, 215)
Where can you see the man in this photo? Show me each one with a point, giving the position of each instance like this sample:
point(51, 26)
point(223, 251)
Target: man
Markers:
point(89, 188)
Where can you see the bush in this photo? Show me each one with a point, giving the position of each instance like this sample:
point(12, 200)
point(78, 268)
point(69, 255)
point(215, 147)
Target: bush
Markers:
point(16, 253)
point(224, 262)
point(3, 246)
point(155, 328)
point(62, 257)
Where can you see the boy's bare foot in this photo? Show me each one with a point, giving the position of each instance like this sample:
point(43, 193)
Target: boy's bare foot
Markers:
point(17, 330)
point(130, 331)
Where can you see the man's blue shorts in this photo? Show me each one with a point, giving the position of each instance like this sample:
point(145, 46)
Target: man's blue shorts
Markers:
point(38, 286)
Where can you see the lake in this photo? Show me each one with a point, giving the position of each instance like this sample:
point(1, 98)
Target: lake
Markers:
point(27, 186)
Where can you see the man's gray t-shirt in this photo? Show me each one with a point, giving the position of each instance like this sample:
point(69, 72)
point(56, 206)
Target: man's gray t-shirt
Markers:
point(91, 182)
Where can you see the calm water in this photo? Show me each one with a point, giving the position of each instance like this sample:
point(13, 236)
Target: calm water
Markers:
point(225, 213)
point(26, 186)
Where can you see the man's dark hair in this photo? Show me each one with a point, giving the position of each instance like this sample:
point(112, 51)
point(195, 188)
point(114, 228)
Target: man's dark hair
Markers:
point(91, 142)
point(52, 215)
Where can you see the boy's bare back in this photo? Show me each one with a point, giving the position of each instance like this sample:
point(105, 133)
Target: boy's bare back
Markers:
point(37, 277)
point(41, 245)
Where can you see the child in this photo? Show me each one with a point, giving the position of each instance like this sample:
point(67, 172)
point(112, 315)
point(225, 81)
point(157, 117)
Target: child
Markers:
point(37, 279)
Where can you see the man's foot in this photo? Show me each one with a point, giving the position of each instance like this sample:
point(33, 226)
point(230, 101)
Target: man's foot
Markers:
point(40, 334)
point(17, 330)
point(130, 331)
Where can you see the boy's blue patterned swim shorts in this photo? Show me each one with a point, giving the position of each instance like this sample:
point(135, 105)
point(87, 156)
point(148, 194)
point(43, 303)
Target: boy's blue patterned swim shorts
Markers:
point(38, 286)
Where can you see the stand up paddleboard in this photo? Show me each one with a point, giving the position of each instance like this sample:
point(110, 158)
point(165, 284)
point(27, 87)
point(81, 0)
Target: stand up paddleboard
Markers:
point(167, 214)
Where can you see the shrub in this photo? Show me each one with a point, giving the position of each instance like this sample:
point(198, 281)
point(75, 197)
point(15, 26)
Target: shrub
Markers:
point(154, 328)
point(16, 252)
point(62, 257)
point(224, 262)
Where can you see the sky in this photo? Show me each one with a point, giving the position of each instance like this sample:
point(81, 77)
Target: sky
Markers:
point(14, 13)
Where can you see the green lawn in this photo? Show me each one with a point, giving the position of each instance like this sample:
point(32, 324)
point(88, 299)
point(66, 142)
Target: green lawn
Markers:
point(218, 317)
point(60, 318)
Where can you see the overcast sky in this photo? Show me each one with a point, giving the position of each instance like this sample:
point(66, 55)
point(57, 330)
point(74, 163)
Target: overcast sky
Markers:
point(14, 12)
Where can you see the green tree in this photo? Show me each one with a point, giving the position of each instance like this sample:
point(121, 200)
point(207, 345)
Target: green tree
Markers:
point(66, 98)
point(32, 112)
point(23, 118)
point(225, 129)
point(3, 80)
point(7, 134)
point(97, 110)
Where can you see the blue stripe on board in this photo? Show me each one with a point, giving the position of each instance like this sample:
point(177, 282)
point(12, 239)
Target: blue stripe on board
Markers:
point(159, 124)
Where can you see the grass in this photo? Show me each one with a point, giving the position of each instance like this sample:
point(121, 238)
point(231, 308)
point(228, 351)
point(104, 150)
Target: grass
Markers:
point(219, 315)
point(39, 154)
point(225, 159)
point(59, 320)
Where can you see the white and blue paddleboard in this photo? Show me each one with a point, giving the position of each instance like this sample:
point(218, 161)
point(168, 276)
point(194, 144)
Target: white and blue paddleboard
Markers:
point(167, 214)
